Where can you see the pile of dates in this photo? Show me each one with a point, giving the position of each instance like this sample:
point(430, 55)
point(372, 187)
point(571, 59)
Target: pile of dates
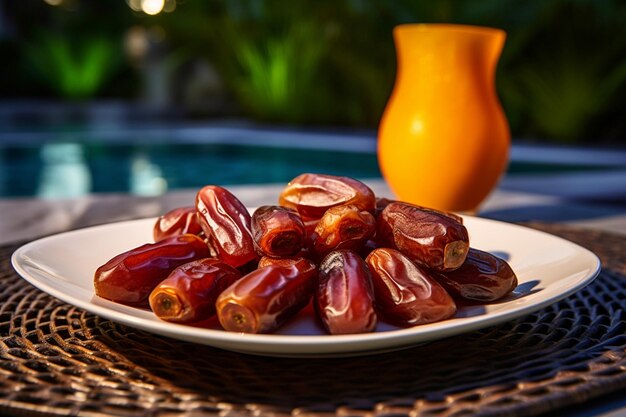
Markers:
point(358, 259)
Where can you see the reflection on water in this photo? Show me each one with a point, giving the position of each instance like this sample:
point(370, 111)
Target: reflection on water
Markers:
point(64, 171)
point(146, 178)
point(80, 165)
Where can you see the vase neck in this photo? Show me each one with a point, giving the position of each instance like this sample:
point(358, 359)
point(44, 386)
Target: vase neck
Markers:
point(448, 53)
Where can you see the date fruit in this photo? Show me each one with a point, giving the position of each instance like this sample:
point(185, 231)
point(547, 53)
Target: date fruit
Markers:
point(426, 237)
point(483, 277)
point(226, 223)
point(266, 298)
point(215, 261)
point(343, 227)
point(130, 277)
point(277, 231)
point(312, 194)
point(286, 262)
point(189, 293)
point(406, 294)
point(382, 202)
point(344, 297)
point(178, 221)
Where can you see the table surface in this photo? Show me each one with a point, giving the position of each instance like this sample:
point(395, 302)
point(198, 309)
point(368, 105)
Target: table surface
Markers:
point(27, 219)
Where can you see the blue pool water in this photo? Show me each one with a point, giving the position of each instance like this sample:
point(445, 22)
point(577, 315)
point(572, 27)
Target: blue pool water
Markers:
point(70, 169)
point(48, 167)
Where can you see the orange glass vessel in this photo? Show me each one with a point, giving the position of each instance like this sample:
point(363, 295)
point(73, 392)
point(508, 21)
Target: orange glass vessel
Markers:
point(443, 139)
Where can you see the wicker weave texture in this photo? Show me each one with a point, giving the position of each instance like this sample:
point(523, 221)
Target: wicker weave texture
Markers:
point(56, 359)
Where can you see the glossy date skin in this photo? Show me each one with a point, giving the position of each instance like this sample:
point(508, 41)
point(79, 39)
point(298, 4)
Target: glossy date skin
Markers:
point(428, 238)
point(130, 277)
point(226, 223)
point(312, 194)
point(343, 227)
point(277, 231)
point(406, 294)
point(189, 293)
point(179, 221)
point(344, 296)
point(266, 298)
point(483, 277)
point(382, 202)
point(285, 262)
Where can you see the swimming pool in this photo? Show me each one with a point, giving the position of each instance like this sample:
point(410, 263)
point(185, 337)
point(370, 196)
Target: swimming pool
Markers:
point(70, 169)
point(153, 161)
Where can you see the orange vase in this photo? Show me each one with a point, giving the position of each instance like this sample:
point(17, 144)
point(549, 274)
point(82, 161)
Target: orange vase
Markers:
point(443, 140)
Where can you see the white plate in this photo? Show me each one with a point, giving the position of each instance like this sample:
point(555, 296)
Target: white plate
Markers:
point(548, 269)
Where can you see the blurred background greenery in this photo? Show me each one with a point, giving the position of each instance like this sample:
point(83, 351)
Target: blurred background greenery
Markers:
point(561, 78)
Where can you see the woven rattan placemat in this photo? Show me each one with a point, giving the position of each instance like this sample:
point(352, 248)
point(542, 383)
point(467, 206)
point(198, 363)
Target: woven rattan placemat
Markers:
point(56, 359)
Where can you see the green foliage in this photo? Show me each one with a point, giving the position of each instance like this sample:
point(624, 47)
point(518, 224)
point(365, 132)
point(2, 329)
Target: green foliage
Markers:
point(567, 93)
point(322, 62)
point(278, 73)
point(561, 77)
point(74, 68)
point(332, 61)
point(564, 71)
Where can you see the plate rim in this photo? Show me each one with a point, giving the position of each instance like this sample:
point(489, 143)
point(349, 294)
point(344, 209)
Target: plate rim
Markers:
point(297, 345)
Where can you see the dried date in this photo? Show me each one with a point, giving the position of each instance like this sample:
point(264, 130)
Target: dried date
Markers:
point(286, 262)
point(226, 223)
point(426, 237)
point(418, 261)
point(266, 298)
point(179, 221)
point(483, 277)
point(130, 277)
point(343, 227)
point(312, 194)
point(382, 202)
point(277, 231)
point(344, 297)
point(406, 294)
point(189, 293)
